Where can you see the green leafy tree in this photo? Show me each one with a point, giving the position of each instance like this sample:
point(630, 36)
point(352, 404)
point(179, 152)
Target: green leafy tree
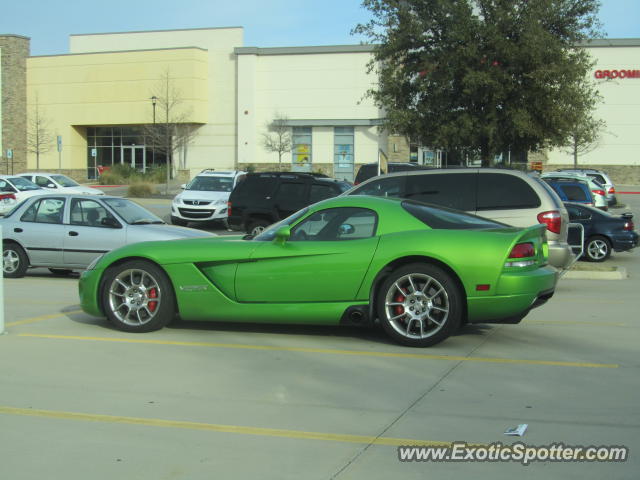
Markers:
point(480, 75)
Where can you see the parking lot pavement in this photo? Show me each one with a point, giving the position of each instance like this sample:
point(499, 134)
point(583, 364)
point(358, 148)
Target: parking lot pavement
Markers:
point(202, 401)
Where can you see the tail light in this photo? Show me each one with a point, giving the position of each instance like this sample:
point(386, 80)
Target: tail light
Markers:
point(628, 226)
point(228, 209)
point(598, 192)
point(552, 219)
point(612, 191)
point(519, 252)
point(7, 196)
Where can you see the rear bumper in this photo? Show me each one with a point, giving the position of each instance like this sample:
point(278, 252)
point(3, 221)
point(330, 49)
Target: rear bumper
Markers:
point(516, 294)
point(560, 255)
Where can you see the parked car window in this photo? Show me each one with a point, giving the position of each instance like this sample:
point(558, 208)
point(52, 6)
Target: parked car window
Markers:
point(449, 190)
point(270, 233)
point(43, 182)
point(574, 193)
point(22, 184)
point(321, 192)
point(440, 218)
point(65, 181)
point(89, 213)
point(131, 212)
point(5, 187)
point(211, 184)
point(45, 210)
point(289, 191)
point(498, 191)
point(577, 213)
point(384, 187)
point(336, 224)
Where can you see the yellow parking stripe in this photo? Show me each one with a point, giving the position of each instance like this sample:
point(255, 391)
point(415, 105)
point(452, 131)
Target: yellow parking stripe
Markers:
point(42, 317)
point(424, 356)
point(259, 431)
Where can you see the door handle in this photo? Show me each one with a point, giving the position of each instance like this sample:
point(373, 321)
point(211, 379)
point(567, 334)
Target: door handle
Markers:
point(73, 234)
point(17, 230)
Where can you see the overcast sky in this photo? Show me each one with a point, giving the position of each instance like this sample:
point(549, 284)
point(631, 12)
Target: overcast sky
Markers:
point(268, 23)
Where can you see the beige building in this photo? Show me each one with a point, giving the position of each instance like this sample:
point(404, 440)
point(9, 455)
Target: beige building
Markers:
point(99, 101)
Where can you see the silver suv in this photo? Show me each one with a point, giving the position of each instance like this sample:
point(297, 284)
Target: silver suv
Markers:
point(205, 198)
point(508, 196)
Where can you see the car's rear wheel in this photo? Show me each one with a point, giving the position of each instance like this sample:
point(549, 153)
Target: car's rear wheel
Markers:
point(256, 227)
point(15, 261)
point(60, 271)
point(419, 305)
point(178, 221)
point(597, 248)
point(137, 297)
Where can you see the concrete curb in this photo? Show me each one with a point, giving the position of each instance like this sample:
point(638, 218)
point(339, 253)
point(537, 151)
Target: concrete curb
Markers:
point(620, 273)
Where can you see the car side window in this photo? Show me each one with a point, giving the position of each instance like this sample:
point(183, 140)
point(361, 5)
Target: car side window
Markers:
point(384, 187)
point(5, 187)
point(501, 191)
point(576, 213)
point(46, 210)
point(336, 224)
point(89, 213)
point(43, 182)
point(321, 192)
point(451, 190)
point(289, 192)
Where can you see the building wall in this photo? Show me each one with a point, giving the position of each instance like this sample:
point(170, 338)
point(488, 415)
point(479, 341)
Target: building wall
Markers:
point(75, 91)
point(14, 50)
point(620, 141)
point(319, 87)
point(215, 144)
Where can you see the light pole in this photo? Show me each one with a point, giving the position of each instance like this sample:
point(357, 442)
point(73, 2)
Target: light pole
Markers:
point(154, 99)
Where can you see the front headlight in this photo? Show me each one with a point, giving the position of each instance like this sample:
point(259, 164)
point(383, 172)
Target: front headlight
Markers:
point(221, 202)
point(93, 264)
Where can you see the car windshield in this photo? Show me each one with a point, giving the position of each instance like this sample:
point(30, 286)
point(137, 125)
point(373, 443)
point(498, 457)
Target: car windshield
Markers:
point(131, 212)
point(22, 184)
point(64, 181)
point(211, 184)
point(270, 233)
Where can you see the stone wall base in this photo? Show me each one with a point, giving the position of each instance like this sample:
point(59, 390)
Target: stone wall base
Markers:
point(326, 168)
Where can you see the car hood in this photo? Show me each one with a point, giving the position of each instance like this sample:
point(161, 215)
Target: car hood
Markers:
point(202, 195)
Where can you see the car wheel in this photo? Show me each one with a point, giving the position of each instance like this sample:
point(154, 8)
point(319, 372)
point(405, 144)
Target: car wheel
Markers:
point(256, 227)
point(15, 260)
point(60, 271)
point(137, 297)
point(419, 305)
point(597, 249)
point(178, 221)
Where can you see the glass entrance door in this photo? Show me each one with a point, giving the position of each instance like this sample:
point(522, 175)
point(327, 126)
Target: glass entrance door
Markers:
point(136, 156)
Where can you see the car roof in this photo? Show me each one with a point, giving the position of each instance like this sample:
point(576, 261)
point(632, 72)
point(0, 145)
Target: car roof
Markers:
point(219, 173)
point(77, 195)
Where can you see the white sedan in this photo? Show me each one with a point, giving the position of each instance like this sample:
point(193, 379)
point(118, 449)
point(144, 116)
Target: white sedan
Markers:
point(59, 183)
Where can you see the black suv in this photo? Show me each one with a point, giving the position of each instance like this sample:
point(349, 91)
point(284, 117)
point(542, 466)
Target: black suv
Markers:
point(267, 197)
point(369, 170)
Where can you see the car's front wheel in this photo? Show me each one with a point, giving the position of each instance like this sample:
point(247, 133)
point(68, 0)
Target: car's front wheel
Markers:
point(597, 248)
point(419, 305)
point(14, 260)
point(137, 296)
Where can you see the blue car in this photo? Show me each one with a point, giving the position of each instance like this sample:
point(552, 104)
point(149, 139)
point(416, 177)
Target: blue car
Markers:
point(603, 232)
point(570, 190)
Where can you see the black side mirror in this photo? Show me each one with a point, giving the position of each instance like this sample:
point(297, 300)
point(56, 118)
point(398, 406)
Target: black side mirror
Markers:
point(110, 222)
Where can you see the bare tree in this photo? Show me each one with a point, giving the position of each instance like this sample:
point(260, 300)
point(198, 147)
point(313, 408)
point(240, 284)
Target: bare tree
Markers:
point(278, 137)
point(170, 130)
point(39, 137)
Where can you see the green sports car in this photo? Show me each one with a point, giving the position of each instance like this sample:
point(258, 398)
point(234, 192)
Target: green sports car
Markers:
point(421, 270)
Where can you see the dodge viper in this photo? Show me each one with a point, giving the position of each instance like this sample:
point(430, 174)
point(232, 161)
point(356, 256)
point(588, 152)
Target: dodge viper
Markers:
point(419, 270)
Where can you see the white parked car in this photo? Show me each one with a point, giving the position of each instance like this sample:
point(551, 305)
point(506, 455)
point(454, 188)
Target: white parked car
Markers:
point(597, 189)
point(59, 183)
point(205, 198)
point(14, 189)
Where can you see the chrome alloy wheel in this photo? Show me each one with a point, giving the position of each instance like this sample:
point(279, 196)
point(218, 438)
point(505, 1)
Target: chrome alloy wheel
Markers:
point(417, 306)
point(11, 261)
point(598, 249)
point(134, 297)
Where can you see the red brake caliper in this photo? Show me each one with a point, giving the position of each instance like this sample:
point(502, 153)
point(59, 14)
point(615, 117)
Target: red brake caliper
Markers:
point(152, 304)
point(398, 309)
